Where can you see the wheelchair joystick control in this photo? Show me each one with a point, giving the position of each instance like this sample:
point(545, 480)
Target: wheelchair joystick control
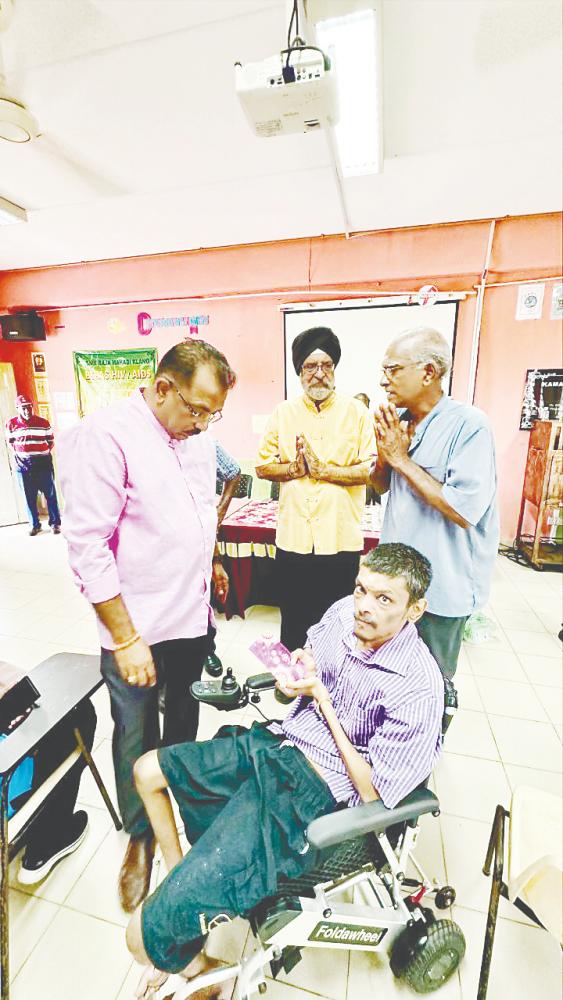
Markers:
point(225, 694)
point(229, 682)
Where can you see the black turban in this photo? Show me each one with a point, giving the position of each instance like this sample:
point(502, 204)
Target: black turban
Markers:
point(318, 338)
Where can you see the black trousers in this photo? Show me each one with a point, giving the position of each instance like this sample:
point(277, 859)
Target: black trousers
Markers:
point(307, 586)
point(50, 826)
point(444, 637)
point(134, 711)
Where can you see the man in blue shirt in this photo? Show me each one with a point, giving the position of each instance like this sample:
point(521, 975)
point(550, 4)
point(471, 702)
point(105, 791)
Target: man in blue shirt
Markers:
point(436, 459)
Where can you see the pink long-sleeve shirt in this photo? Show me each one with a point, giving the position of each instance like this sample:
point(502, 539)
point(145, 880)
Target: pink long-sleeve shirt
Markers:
point(140, 518)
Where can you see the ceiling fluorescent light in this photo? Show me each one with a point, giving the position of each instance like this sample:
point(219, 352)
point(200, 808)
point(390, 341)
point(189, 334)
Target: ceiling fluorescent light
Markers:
point(353, 44)
point(10, 213)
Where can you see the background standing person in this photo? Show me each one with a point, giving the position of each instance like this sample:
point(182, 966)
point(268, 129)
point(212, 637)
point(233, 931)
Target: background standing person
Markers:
point(228, 472)
point(57, 830)
point(31, 440)
point(436, 457)
point(318, 447)
point(363, 397)
point(140, 520)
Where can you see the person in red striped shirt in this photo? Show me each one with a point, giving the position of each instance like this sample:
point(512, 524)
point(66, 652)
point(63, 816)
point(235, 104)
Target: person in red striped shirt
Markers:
point(31, 440)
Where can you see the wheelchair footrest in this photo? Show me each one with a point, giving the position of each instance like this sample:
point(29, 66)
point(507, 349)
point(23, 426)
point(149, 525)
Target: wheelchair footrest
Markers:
point(289, 958)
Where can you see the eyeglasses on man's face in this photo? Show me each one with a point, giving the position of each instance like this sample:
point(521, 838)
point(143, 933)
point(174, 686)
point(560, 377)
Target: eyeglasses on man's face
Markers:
point(211, 418)
point(390, 371)
point(310, 368)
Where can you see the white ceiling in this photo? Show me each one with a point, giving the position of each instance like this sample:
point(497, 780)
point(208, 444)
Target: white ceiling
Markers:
point(156, 155)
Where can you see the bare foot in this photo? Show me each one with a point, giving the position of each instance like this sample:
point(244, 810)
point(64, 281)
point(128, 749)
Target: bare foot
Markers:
point(150, 982)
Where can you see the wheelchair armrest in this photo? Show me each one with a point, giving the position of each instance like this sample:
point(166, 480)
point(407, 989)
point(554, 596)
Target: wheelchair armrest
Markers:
point(371, 817)
point(260, 682)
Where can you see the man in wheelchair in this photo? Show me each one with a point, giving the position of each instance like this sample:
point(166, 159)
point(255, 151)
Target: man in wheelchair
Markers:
point(366, 726)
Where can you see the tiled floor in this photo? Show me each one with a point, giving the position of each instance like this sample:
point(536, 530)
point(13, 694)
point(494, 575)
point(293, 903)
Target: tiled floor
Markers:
point(67, 936)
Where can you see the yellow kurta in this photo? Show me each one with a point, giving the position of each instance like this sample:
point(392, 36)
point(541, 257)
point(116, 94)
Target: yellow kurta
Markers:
point(312, 514)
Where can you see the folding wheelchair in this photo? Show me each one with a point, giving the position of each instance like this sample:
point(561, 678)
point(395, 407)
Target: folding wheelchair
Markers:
point(365, 853)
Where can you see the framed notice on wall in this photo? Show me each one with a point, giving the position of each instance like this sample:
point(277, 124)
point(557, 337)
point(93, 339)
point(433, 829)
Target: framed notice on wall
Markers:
point(104, 376)
point(543, 399)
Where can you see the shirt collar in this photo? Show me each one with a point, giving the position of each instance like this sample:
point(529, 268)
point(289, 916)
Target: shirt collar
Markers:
point(434, 412)
point(325, 405)
point(142, 408)
point(393, 655)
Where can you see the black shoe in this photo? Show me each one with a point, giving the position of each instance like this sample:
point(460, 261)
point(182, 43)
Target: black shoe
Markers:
point(35, 531)
point(56, 528)
point(37, 863)
point(212, 665)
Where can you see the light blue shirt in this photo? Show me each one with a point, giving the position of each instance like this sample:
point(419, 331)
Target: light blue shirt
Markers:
point(454, 444)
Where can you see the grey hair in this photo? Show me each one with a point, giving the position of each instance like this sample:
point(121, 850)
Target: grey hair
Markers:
point(396, 559)
point(426, 346)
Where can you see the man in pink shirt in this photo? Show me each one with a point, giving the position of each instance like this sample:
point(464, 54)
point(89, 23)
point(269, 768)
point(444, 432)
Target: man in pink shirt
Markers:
point(140, 520)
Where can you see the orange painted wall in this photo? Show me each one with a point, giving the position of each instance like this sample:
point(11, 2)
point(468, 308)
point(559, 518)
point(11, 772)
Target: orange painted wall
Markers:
point(242, 289)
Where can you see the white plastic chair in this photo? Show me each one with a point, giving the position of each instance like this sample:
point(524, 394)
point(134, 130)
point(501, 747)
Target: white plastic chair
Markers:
point(534, 866)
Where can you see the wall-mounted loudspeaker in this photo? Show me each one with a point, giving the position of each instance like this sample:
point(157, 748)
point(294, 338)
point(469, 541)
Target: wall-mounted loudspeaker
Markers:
point(22, 326)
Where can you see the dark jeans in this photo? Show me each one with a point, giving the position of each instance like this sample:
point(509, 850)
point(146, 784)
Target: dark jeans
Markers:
point(40, 478)
point(444, 637)
point(51, 825)
point(308, 585)
point(134, 711)
point(246, 802)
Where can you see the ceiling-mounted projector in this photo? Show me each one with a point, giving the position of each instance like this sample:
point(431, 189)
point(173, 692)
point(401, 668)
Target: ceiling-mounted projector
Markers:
point(288, 93)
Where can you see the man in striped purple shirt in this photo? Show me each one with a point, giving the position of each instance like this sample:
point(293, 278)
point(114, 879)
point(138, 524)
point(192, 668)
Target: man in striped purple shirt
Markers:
point(366, 725)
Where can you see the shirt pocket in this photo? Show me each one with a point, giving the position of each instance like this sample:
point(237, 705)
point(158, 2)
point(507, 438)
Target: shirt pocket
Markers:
point(438, 472)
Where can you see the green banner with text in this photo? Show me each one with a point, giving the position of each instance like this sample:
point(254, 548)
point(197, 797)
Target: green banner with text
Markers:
point(104, 376)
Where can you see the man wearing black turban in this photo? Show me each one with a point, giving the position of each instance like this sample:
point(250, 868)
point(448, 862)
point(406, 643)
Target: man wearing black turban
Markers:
point(318, 448)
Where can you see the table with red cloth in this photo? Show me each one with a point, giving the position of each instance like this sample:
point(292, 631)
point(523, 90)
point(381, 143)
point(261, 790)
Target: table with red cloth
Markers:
point(247, 545)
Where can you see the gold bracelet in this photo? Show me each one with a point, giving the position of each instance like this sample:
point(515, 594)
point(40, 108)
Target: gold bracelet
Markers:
point(128, 642)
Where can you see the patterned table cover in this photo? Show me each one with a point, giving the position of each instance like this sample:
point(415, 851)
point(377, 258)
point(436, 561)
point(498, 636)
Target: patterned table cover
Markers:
point(251, 530)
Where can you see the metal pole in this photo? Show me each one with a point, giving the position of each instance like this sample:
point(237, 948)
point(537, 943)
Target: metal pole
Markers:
point(4, 889)
point(97, 778)
point(478, 316)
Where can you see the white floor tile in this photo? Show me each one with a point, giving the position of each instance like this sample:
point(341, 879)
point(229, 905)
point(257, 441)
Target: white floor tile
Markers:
point(281, 991)
point(534, 642)
point(470, 734)
point(468, 692)
point(470, 787)
point(544, 670)
point(519, 619)
point(63, 877)
point(529, 744)
point(546, 781)
point(463, 664)
point(12, 598)
point(511, 698)
point(95, 891)
point(77, 956)
point(503, 664)
point(552, 701)
point(526, 961)
point(29, 918)
point(27, 653)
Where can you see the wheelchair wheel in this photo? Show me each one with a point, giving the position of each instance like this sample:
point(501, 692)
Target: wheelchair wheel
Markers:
point(437, 959)
point(445, 897)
